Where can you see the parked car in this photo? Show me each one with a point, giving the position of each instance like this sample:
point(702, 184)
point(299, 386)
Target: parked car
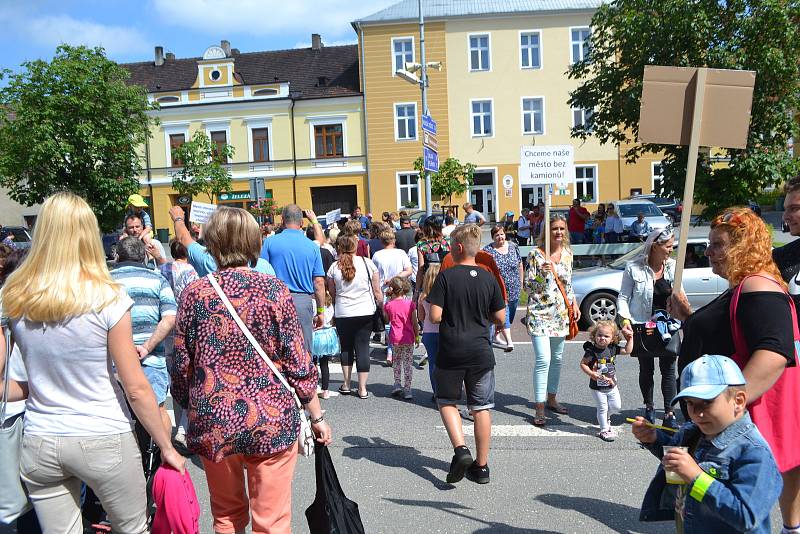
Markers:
point(20, 234)
point(629, 210)
point(669, 206)
point(596, 288)
point(755, 206)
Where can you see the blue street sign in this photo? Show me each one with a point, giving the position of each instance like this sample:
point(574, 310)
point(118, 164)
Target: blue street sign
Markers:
point(430, 159)
point(428, 124)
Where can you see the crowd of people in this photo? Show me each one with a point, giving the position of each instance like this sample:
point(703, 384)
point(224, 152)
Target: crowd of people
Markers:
point(96, 350)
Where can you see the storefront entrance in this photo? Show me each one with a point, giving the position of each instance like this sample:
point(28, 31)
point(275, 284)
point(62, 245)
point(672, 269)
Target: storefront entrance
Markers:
point(482, 194)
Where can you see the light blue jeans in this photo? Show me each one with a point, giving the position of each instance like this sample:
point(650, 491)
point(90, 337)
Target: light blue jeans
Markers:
point(547, 367)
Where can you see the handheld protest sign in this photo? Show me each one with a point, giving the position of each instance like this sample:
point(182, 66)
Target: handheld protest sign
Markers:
point(698, 107)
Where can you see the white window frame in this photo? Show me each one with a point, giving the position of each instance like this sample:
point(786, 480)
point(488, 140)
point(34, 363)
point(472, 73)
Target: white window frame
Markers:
point(523, 112)
point(540, 48)
point(255, 124)
point(400, 187)
point(653, 176)
point(595, 179)
point(572, 58)
point(326, 120)
point(472, 117)
point(173, 129)
point(583, 117)
point(397, 119)
point(488, 51)
point(219, 126)
point(394, 54)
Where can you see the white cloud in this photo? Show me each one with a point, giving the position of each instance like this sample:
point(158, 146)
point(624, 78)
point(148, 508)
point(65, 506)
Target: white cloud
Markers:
point(51, 30)
point(330, 18)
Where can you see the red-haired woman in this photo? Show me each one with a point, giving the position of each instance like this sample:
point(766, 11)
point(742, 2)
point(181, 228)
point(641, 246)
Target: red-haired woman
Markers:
point(753, 323)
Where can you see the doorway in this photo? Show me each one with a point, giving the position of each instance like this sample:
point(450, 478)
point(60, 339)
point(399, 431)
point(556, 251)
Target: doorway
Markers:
point(482, 195)
point(325, 199)
point(531, 195)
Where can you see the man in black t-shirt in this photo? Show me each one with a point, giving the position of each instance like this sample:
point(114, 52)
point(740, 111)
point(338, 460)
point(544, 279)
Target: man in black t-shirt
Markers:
point(787, 257)
point(464, 300)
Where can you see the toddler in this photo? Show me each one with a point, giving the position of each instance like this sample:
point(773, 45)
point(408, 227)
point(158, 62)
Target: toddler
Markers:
point(325, 344)
point(401, 315)
point(599, 362)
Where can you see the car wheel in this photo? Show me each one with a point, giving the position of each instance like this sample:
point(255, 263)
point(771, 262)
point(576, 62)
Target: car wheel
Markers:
point(598, 307)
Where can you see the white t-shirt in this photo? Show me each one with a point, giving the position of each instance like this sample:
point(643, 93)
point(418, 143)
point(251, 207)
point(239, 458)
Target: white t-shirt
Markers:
point(16, 371)
point(414, 260)
point(447, 230)
point(390, 262)
point(354, 298)
point(71, 387)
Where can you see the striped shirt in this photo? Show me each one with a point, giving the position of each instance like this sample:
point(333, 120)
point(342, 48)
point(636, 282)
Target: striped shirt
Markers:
point(153, 300)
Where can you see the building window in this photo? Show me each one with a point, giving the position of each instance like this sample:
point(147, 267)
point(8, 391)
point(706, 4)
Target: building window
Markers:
point(408, 190)
point(260, 144)
point(175, 142)
point(482, 118)
point(533, 116)
point(220, 139)
point(265, 92)
point(586, 183)
point(657, 176)
point(479, 52)
point(405, 120)
point(579, 44)
point(168, 100)
point(530, 52)
point(328, 141)
point(582, 118)
point(402, 52)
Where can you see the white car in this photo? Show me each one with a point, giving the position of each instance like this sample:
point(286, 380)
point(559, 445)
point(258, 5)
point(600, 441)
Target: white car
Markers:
point(629, 210)
point(596, 288)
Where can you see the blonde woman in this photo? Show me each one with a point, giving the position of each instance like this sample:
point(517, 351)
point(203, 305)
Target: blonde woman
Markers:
point(71, 321)
point(548, 313)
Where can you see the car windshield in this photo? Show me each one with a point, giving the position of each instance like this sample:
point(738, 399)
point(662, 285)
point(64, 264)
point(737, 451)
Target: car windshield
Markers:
point(633, 210)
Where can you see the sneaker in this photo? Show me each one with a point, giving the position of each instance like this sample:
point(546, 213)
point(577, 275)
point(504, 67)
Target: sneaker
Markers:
point(500, 345)
point(397, 389)
point(650, 414)
point(671, 421)
point(478, 474)
point(606, 435)
point(407, 395)
point(464, 413)
point(423, 361)
point(462, 459)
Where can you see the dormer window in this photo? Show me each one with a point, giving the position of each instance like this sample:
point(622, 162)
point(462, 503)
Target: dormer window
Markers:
point(216, 75)
point(265, 92)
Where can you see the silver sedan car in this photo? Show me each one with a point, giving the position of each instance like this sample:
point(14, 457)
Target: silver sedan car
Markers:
point(596, 288)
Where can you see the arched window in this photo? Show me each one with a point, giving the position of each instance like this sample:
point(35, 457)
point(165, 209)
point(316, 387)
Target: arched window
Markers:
point(265, 92)
point(168, 100)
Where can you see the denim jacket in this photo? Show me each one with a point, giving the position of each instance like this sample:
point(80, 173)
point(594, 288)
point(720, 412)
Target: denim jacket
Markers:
point(738, 489)
point(635, 301)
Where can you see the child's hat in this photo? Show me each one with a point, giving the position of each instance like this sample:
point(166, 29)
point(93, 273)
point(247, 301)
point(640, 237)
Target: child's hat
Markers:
point(708, 376)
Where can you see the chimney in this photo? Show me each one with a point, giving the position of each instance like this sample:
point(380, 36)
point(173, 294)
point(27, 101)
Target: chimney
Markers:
point(159, 59)
point(170, 56)
point(316, 41)
point(226, 46)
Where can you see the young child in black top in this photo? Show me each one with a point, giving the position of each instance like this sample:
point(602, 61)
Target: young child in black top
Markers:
point(599, 362)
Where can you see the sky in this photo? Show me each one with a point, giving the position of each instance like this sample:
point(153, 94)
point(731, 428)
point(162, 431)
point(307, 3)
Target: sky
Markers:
point(130, 29)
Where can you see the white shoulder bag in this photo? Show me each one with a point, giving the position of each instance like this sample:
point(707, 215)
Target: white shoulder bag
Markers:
point(306, 437)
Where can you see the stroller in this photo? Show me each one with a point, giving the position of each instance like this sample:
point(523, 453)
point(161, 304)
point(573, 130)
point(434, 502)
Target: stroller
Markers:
point(94, 517)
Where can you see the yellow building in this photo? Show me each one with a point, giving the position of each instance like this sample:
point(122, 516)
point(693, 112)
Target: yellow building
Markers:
point(293, 117)
point(503, 85)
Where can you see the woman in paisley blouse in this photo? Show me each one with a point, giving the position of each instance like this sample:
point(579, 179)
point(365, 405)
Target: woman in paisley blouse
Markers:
point(548, 315)
point(507, 256)
point(242, 420)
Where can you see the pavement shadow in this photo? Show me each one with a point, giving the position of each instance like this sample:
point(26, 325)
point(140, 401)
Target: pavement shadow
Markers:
point(389, 454)
point(456, 510)
point(617, 517)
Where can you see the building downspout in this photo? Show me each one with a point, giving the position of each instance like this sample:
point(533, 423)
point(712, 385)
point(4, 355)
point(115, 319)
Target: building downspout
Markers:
point(149, 176)
point(294, 152)
point(364, 118)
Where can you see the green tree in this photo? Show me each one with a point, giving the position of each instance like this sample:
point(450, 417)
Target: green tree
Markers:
point(758, 35)
point(453, 178)
point(73, 124)
point(204, 168)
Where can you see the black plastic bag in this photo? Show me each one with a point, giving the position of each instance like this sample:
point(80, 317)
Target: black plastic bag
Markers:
point(331, 512)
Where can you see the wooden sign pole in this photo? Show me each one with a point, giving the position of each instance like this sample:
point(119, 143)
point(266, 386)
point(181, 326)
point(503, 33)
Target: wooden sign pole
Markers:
point(691, 169)
point(547, 201)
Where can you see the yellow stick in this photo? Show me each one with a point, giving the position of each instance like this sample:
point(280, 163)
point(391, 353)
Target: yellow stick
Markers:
point(651, 425)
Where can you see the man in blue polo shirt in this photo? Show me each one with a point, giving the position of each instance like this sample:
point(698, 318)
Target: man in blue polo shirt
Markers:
point(298, 264)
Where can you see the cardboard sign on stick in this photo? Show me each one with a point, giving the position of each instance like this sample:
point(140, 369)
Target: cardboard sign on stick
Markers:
point(694, 106)
point(201, 211)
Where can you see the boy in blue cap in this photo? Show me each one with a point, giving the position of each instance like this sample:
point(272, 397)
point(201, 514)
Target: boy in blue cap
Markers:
point(730, 481)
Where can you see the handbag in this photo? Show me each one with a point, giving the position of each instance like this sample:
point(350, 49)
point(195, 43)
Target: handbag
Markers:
point(306, 437)
point(13, 498)
point(331, 512)
point(648, 343)
point(573, 321)
point(378, 324)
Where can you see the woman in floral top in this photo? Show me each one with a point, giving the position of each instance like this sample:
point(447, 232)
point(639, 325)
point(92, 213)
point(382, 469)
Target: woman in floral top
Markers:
point(433, 246)
point(241, 418)
point(548, 316)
